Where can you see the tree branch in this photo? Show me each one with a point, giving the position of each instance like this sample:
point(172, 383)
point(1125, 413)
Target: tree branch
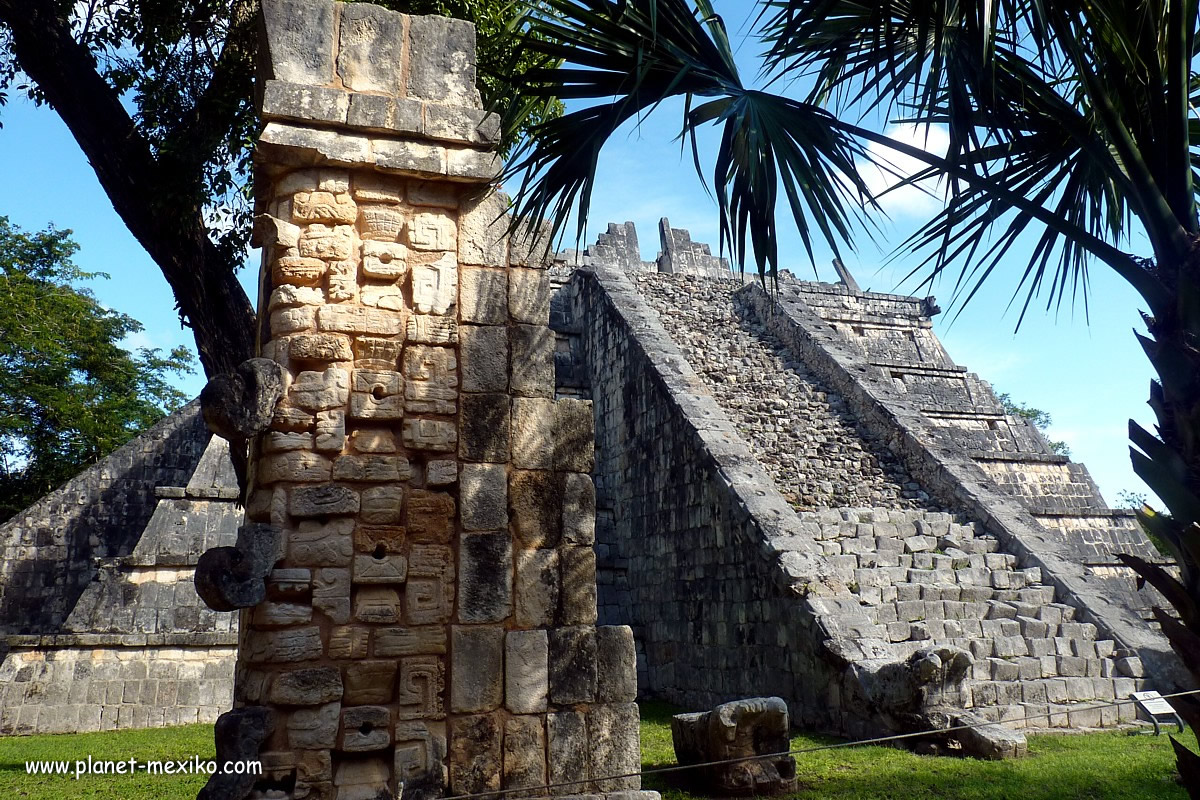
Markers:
point(169, 226)
point(196, 136)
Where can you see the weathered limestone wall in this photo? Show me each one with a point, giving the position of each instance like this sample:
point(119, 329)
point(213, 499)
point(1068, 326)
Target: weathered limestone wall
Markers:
point(714, 566)
point(48, 552)
point(136, 647)
point(1103, 597)
point(421, 508)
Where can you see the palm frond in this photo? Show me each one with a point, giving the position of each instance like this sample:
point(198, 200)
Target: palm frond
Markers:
point(631, 56)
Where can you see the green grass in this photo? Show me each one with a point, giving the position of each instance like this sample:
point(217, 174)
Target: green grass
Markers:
point(1102, 766)
point(160, 744)
point(1098, 766)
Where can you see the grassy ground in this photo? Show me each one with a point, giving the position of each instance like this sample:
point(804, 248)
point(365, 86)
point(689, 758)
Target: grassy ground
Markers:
point(145, 745)
point(1100, 766)
point(1104, 766)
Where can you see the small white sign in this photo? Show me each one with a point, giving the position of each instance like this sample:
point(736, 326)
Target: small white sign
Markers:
point(1153, 703)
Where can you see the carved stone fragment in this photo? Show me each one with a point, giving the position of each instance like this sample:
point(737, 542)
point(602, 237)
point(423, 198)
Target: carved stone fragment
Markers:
point(229, 578)
point(239, 735)
point(241, 405)
point(740, 729)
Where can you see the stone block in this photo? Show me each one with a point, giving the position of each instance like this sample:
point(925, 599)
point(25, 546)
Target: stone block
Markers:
point(442, 68)
point(320, 347)
point(382, 505)
point(535, 503)
point(532, 432)
point(430, 514)
point(432, 330)
point(331, 593)
point(314, 728)
point(483, 220)
point(483, 495)
point(272, 614)
point(421, 687)
point(526, 671)
point(380, 223)
point(299, 40)
point(377, 394)
point(430, 380)
point(369, 682)
point(484, 355)
point(430, 434)
point(366, 728)
point(614, 740)
point(357, 779)
point(483, 296)
point(283, 100)
point(578, 567)
point(321, 544)
point(475, 760)
point(381, 569)
point(616, 668)
point(572, 665)
point(574, 437)
point(532, 361)
point(524, 752)
point(567, 748)
point(310, 686)
point(372, 469)
point(441, 472)
point(379, 540)
point(579, 509)
point(486, 428)
point(359, 320)
point(322, 501)
point(433, 231)
point(434, 193)
point(429, 593)
point(420, 761)
point(529, 296)
point(373, 187)
point(330, 433)
point(377, 605)
point(408, 641)
point(370, 46)
point(476, 669)
point(320, 391)
point(538, 587)
point(294, 466)
point(377, 361)
point(485, 586)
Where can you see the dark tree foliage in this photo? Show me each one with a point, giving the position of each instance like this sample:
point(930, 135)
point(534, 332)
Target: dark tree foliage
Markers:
point(70, 394)
point(158, 94)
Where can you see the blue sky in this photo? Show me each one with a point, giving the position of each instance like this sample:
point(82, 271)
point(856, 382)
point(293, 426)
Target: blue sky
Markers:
point(1091, 378)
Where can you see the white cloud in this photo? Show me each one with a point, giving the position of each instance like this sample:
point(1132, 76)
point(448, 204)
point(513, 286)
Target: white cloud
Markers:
point(136, 340)
point(891, 168)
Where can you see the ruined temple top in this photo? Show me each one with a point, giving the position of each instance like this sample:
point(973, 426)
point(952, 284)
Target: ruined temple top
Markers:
point(354, 85)
point(679, 255)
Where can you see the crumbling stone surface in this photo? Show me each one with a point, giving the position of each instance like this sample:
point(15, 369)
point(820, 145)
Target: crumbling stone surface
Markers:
point(740, 729)
point(864, 617)
point(802, 433)
point(422, 616)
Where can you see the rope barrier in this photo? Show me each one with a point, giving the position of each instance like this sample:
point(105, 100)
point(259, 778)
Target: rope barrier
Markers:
point(803, 751)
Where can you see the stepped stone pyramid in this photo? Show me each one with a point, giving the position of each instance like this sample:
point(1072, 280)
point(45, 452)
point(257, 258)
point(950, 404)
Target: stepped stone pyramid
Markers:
point(800, 493)
point(100, 625)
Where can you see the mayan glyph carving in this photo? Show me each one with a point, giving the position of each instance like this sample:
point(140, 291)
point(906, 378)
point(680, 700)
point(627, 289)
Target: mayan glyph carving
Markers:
point(376, 645)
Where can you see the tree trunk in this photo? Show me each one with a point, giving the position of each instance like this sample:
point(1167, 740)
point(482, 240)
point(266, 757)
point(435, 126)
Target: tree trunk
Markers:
point(161, 206)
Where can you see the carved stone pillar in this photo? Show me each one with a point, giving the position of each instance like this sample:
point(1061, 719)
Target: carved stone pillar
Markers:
point(421, 511)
